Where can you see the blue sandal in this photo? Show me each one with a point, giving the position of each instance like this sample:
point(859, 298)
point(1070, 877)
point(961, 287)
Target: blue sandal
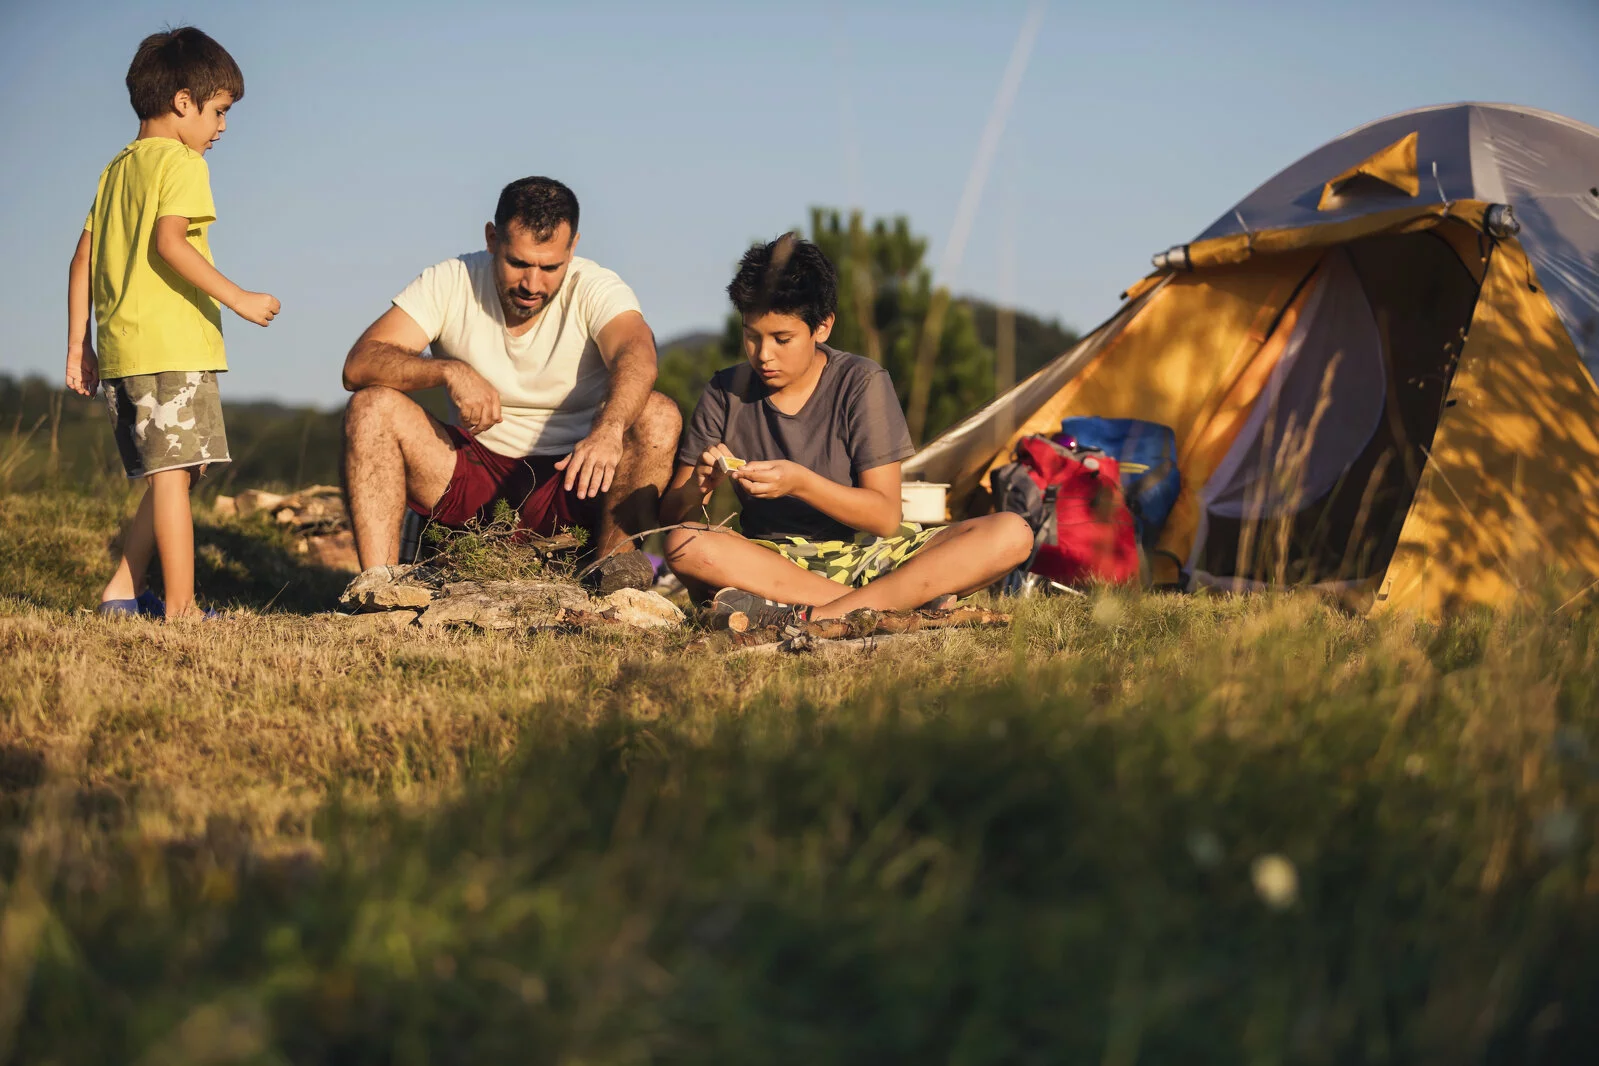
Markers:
point(145, 605)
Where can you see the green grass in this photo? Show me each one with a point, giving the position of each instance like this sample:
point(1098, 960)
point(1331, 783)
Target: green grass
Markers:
point(277, 839)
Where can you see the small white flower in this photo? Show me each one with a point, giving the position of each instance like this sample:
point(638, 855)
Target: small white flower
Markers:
point(1276, 881)
point(1108, 612)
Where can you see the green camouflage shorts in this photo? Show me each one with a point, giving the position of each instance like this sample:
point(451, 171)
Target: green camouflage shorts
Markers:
point(167, 421)
point(853, 562)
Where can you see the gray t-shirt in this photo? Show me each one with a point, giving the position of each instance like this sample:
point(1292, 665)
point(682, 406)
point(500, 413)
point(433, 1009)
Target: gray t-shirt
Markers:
point(851, 423)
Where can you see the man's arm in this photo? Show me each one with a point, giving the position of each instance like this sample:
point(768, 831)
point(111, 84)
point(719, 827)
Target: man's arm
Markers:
point(83, 367)
point(172, 245)
point(628, 348)
point(873, 507)
point(390, 353)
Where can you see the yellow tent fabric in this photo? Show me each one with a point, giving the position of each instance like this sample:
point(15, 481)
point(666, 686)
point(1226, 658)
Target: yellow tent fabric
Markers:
point(1393, 166)
point(1172, 361)
point(1509, 500)
point(1196, 360)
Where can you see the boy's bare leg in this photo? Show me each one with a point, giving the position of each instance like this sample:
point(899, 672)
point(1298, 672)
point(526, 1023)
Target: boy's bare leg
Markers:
point(174, 537)
point(138, 545)
point(713, 558)
point(963, 558)
point(634, 501)
point(392, 449)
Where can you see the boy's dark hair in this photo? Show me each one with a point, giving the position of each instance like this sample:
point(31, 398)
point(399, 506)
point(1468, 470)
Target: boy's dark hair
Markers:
point(790, 276)
point(539, 204)
point(179, 59)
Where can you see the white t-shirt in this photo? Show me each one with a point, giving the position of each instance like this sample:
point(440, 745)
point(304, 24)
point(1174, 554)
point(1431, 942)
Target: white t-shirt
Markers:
point(551, 379)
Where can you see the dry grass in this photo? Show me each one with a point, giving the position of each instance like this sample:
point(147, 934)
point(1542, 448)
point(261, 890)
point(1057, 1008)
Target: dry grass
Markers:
point(279, 838)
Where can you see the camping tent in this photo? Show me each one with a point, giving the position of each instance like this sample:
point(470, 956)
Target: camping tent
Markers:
point(1379, 367)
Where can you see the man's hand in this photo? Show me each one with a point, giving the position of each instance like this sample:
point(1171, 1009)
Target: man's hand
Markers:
point(258, 307)
point(83, 370)
point(477, 401)
point(592, 464)
point(772, 479)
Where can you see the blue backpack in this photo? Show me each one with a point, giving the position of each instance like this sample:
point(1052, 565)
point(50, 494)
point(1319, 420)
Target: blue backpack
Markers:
point(1147, 453)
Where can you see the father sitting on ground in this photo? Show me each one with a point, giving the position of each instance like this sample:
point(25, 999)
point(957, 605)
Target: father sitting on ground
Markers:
point(549, 365)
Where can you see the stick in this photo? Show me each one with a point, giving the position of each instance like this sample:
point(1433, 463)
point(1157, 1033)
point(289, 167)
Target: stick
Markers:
point(581, 574)
point(864, 623)
point(856, 626)
point(732, 621)
point(825, 646)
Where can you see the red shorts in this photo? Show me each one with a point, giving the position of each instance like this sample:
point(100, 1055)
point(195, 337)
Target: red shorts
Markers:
point(532, 486)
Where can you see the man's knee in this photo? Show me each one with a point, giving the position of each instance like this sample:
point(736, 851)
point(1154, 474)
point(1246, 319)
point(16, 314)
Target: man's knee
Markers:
point(658, 425)
point(371, 407)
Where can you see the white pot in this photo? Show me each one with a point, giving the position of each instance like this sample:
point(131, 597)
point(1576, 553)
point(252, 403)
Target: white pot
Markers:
point(923, 501)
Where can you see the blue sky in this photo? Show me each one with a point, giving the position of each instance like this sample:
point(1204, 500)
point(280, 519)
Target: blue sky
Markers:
point(374, 137)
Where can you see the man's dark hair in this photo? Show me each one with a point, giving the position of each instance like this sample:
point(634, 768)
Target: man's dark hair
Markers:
point(184, 58)
point(790, 276)
point(539, 204)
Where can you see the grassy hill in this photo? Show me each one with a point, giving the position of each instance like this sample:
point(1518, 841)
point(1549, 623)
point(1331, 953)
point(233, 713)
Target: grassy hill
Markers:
point(1130, 828)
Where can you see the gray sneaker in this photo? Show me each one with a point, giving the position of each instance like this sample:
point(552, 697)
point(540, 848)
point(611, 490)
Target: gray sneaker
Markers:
point(758, 609)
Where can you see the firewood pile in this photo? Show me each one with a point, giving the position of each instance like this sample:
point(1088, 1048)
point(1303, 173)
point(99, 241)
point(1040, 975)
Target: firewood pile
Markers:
point(399, 597)
point(315, 516)
point(734, 632)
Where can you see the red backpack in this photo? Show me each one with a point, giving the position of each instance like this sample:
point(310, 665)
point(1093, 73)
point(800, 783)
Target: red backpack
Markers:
point(1072, 497)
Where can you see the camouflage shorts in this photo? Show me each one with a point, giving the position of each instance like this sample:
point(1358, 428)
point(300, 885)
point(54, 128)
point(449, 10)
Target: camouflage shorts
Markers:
point(853, 562)
point(167, 421)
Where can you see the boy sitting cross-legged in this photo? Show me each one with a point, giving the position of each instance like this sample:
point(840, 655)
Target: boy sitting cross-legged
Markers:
point(142, 284)
point(822, 436)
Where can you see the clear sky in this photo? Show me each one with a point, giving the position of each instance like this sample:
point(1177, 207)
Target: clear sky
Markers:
point(374, 136)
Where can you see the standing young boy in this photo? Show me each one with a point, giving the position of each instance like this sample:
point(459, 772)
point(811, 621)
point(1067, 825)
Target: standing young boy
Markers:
point(822, 436)
point(143, 263)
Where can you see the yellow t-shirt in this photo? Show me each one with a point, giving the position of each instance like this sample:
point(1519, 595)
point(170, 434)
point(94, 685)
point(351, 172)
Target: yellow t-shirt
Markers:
point(147, 318)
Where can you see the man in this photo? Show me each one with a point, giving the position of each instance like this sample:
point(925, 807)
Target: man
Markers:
point(549, 366)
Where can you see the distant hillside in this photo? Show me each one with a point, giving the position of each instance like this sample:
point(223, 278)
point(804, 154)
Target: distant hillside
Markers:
point(1038, 340)
point(279, 446)
point(274, 445)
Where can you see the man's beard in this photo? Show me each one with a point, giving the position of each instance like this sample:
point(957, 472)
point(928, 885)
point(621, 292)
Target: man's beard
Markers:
point(514, 310)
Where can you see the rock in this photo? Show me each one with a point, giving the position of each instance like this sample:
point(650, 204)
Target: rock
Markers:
point(390, 597)
point(382, 588)
point(645, 610)
point(380, 621)
point(495, 605)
